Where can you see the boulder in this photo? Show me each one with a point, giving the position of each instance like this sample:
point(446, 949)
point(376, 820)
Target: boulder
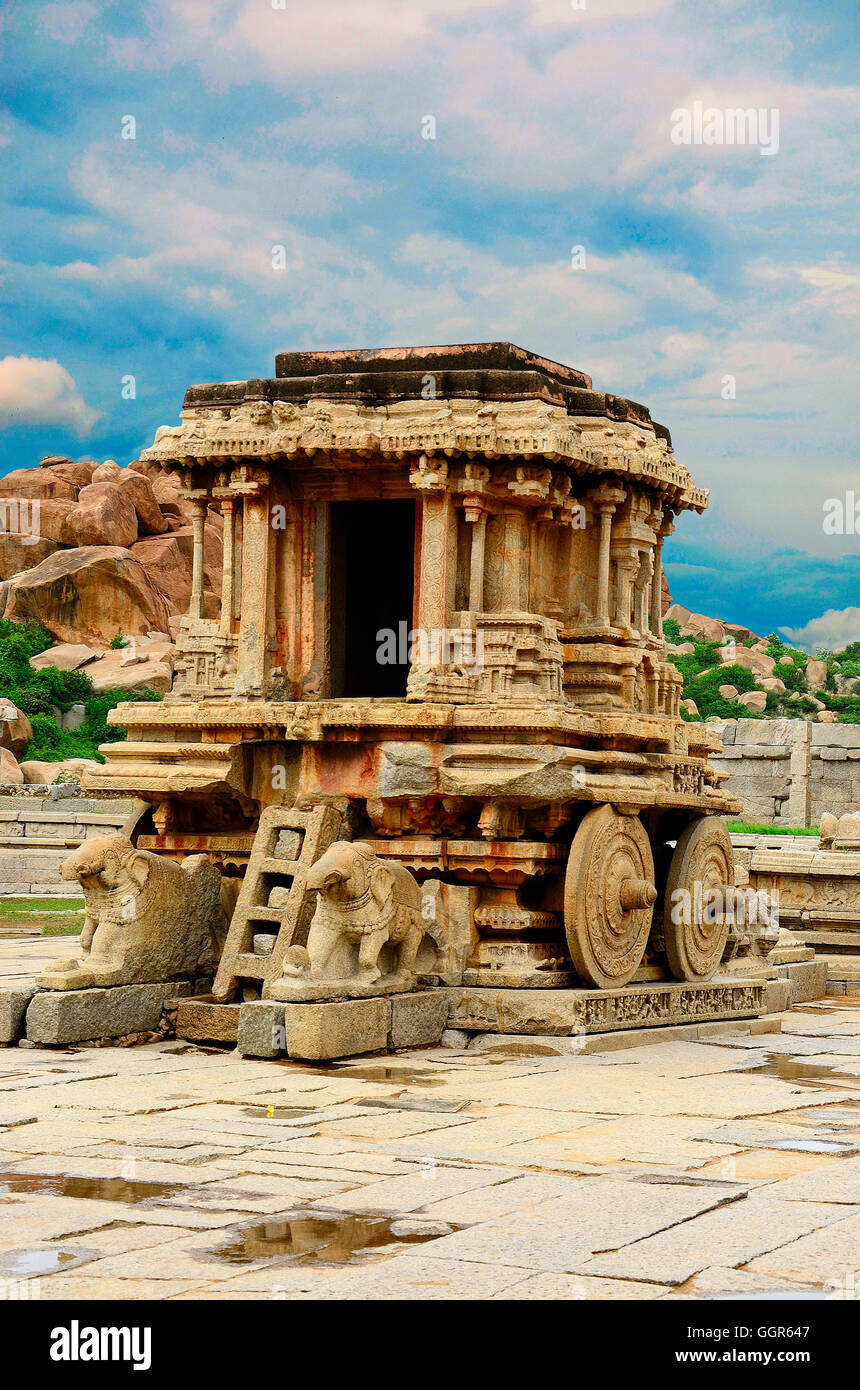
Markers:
point(17, 554)
point(66, 656)
point(77, 474)
point(816, 673)
point(826, 716)
point(665, 596)
point(785, 661)
point(138, 490)
point(758, 662)
point(104, 516)
point(52, 517)
point(691, 707)
point(16, 730)
point(107, 472)
point(706, 629)
point(53, 460)
point(40, 773)
point(10, 772)
point(773, 683)
point(728, 692)
point(37, 482)
point(680, 648)
point(116, 671)
point(90, 593)
point(754, 700)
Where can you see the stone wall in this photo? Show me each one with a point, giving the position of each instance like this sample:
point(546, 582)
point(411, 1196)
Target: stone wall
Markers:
point(789, 771)
point(36, 836)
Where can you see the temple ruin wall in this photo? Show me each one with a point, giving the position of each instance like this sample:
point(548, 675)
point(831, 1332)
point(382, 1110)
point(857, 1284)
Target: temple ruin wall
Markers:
point(790, 771)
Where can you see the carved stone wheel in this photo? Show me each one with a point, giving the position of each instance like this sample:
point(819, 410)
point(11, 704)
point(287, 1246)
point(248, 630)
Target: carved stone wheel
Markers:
point(609, 897)
point(702, 862)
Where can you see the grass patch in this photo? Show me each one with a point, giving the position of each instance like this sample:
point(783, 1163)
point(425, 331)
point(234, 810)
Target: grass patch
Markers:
point(53, 916)
point(741, 828)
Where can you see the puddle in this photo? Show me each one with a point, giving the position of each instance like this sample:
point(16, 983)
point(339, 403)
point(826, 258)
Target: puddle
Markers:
point(807, 1073)
point(100, 1189)
point(407, 1076)
point(811, 1146)
point(29, 1264)
point(276, 1112)
point(314, 1239)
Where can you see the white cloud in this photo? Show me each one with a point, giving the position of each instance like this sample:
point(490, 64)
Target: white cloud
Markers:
point(34, 391)
point(833, 630)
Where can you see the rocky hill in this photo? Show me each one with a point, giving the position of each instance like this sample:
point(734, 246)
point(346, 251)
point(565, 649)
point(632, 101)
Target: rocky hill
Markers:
point(95, 575)
point(731, 673)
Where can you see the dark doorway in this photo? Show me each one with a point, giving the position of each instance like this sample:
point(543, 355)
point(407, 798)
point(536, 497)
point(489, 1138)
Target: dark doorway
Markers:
point(373, 579)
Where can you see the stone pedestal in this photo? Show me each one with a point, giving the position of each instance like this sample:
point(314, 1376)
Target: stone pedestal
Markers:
point(344, 1028)
point(82, 1015)
point(563, 1011)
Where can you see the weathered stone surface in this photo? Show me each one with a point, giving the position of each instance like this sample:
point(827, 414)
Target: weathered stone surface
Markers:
point(137, 488)
point(202, 1020)
point(755, 700)
point(36, 771)
point(10, 770)
point(13, 1007)
point(37, 482)
point(76, 1015)
point(808, 979)
point(103, 516)
point(317, 1032)
point(261, 1029)
point(16, 730)
point(66, 656)
point(92, 592)
point(564, 1011)
point(418, 1020)
point(17, 553)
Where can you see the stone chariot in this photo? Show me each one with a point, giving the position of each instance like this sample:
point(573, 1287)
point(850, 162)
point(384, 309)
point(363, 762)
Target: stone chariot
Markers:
point(439, 633)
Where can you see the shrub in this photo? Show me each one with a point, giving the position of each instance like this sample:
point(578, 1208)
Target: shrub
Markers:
point(672, 630)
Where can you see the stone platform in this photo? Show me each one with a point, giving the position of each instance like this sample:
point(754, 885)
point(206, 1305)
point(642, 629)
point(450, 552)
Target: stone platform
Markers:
point(83, 1015)
point(564, 1011)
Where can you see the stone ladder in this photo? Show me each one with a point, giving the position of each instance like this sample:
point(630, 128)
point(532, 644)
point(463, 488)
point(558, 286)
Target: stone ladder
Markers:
point(286, 845)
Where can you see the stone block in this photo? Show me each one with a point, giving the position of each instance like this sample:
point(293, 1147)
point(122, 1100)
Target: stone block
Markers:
point(585, 1011)
point(346, 1028)
point(202, 1020)
point(261, 1029)
point(808, 980)
point(777, 996)
point(78, 1015)
point(13, 1007)
point(835, 735)
point(418, 1020)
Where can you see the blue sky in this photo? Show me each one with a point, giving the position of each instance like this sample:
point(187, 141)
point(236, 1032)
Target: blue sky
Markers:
point(301, 126)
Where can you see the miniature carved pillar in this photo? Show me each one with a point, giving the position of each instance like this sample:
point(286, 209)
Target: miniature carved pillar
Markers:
point(657, 581)
point(198, 523)
point(605, 499)
point(643, 589)
point(228, 508)
point(256, 581)
point(478, 518)
point(516, 557)
point(437, 568)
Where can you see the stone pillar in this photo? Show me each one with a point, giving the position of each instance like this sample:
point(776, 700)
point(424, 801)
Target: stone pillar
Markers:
point(800, 769)
point(198, 523)
point(605, 500)
point(256, 582)
point(228, 508)
point(657, 580)
point(478, 518)
point(643, 589)
point(516, 561)
point(437, 567)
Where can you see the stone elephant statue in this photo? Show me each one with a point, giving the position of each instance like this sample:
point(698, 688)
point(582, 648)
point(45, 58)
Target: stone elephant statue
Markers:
point(368, 902)
point(147, 917)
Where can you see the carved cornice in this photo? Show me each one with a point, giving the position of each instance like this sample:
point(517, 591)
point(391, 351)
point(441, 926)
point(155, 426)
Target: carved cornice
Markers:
point(532, 433)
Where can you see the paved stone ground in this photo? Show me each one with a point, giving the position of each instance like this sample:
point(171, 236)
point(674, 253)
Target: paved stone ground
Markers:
point(672, 1170)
